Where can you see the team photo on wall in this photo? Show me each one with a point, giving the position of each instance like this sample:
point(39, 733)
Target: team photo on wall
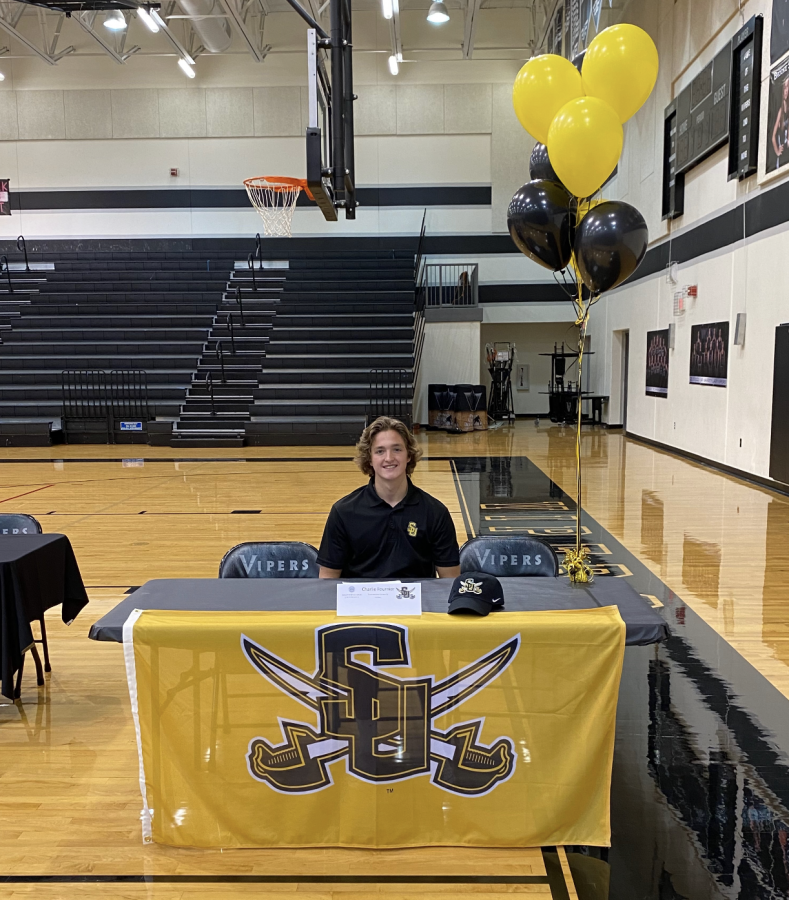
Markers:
point(657, 363)
point(777, 136)
point(709, 354)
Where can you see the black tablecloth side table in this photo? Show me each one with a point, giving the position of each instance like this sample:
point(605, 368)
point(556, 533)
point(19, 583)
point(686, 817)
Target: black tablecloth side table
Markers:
point(37, 572)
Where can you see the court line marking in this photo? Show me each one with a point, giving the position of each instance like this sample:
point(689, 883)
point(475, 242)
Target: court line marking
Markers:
point(464, 506)
point(34, 491)
point(206, 459)
point(275, 879)
point(567, 872)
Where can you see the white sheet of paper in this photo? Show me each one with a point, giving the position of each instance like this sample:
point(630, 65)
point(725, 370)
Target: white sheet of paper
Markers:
point(384, 598)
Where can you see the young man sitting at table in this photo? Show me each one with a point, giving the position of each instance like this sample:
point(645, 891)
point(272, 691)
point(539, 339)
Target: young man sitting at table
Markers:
point(389, 528)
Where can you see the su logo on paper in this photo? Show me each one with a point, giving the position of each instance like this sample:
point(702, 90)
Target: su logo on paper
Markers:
point(383, 726)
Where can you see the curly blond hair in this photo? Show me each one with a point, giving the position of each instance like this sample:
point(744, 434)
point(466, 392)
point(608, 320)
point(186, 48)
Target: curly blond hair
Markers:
point(364, 449)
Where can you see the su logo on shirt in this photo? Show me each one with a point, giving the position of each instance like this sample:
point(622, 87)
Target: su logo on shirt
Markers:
point(383, 726)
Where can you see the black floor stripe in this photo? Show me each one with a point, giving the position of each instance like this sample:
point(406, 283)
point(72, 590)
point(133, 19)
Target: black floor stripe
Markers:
point(273, 879)
point(192, 459)
point(212, 459)
point(219, 512)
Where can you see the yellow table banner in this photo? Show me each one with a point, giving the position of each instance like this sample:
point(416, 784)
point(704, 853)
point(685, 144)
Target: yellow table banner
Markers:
point(301, 729)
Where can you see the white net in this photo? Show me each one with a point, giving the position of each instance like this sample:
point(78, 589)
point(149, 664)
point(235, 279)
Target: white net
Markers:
point(275, 199)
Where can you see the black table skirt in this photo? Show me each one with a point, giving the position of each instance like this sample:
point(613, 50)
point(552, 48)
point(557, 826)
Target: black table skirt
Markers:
point(37, 572)
point(644, 625)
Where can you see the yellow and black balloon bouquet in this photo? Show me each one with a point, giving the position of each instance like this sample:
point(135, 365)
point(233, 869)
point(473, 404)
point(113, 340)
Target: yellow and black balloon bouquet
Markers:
point(577, 119)
point(579, 115)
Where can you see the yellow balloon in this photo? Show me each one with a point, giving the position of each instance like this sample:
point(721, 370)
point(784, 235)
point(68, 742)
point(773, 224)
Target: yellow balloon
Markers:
point(543, 86)
point(584, 144)
point(621, 67)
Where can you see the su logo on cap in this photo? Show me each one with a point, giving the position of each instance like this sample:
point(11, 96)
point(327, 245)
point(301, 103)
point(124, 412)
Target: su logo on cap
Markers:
point(469, 586)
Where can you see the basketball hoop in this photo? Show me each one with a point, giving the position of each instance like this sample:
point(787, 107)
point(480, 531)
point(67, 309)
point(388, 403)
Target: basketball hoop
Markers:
point(274, 197)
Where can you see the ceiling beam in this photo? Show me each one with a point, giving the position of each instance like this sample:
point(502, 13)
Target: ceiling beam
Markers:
point(6, 25)
point(473, 8)
point(238, 18)
point(85, 22)
point(550, 10)
point(165, 29)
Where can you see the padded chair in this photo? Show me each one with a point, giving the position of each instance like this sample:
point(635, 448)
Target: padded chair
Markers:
point(270, 559)
point(18, 523)
point(508, 557)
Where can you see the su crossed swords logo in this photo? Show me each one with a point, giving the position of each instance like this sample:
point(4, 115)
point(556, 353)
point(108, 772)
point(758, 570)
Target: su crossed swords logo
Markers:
point(383, 726)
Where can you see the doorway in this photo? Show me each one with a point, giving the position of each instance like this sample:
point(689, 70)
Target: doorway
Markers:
point(779, 440)
point(625, 374)
point(620, 356)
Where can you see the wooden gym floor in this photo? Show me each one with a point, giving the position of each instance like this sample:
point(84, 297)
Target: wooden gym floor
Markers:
point(69, 796)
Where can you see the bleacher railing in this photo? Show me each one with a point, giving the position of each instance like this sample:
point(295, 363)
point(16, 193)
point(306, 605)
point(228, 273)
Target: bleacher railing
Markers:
point(90, 398)
point(85, 401)
point(129, 395)
point(419, 305)
point(451, 284)
point(391, 393)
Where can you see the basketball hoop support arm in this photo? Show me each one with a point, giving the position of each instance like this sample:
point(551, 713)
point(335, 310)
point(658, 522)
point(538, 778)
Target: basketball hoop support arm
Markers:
point(331, 166)
point(309, 20)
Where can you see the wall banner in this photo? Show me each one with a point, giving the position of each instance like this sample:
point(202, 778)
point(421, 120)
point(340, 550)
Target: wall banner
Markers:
point(657, 363)
point(709, 354)
point(5, 197)
point(778, 117)
point(779, 33)
point(299, 729)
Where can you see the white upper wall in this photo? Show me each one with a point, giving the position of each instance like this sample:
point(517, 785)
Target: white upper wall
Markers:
point(729, 425)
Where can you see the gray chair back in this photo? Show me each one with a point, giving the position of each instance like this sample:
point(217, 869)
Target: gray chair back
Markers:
point(18, 523)
point(270, 559)
point(508, 557)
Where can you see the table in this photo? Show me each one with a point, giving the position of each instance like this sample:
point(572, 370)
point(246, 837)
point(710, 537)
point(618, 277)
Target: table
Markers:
point(303, 729)
point(239, 692)
point(37, 572)
point(643, 624)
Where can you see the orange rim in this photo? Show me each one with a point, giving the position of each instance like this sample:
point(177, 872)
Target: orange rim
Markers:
point(279, 183)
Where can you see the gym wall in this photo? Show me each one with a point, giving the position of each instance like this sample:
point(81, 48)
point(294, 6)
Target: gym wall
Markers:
point(738, 265)
point(89, 125)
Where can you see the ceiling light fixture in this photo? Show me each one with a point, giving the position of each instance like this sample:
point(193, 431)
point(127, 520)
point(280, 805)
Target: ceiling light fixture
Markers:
point(438, 13)
point(388, 9)
point(115, 21)
point(394, 68)
point(149, 23)
point(186, 68)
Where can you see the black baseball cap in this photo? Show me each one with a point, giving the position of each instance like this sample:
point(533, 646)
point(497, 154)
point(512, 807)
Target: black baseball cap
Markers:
point(476, 592)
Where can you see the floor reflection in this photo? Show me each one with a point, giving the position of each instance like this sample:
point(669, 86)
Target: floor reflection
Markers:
point(700, 791)
point(776, 579)
point(701, 569)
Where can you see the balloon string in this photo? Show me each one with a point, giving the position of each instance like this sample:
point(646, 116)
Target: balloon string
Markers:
point(579, 571)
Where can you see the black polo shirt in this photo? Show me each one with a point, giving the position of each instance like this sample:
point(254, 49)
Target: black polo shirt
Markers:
point(365, 537)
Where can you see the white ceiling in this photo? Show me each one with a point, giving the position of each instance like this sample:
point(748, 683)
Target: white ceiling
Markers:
point(478, 29)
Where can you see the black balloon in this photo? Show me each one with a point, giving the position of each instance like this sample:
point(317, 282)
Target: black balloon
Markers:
point(539, 221)
point(540, 165)
point(610, 242)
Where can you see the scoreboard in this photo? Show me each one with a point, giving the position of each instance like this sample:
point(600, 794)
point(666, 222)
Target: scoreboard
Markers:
point(707, 114)
point(746, 82)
